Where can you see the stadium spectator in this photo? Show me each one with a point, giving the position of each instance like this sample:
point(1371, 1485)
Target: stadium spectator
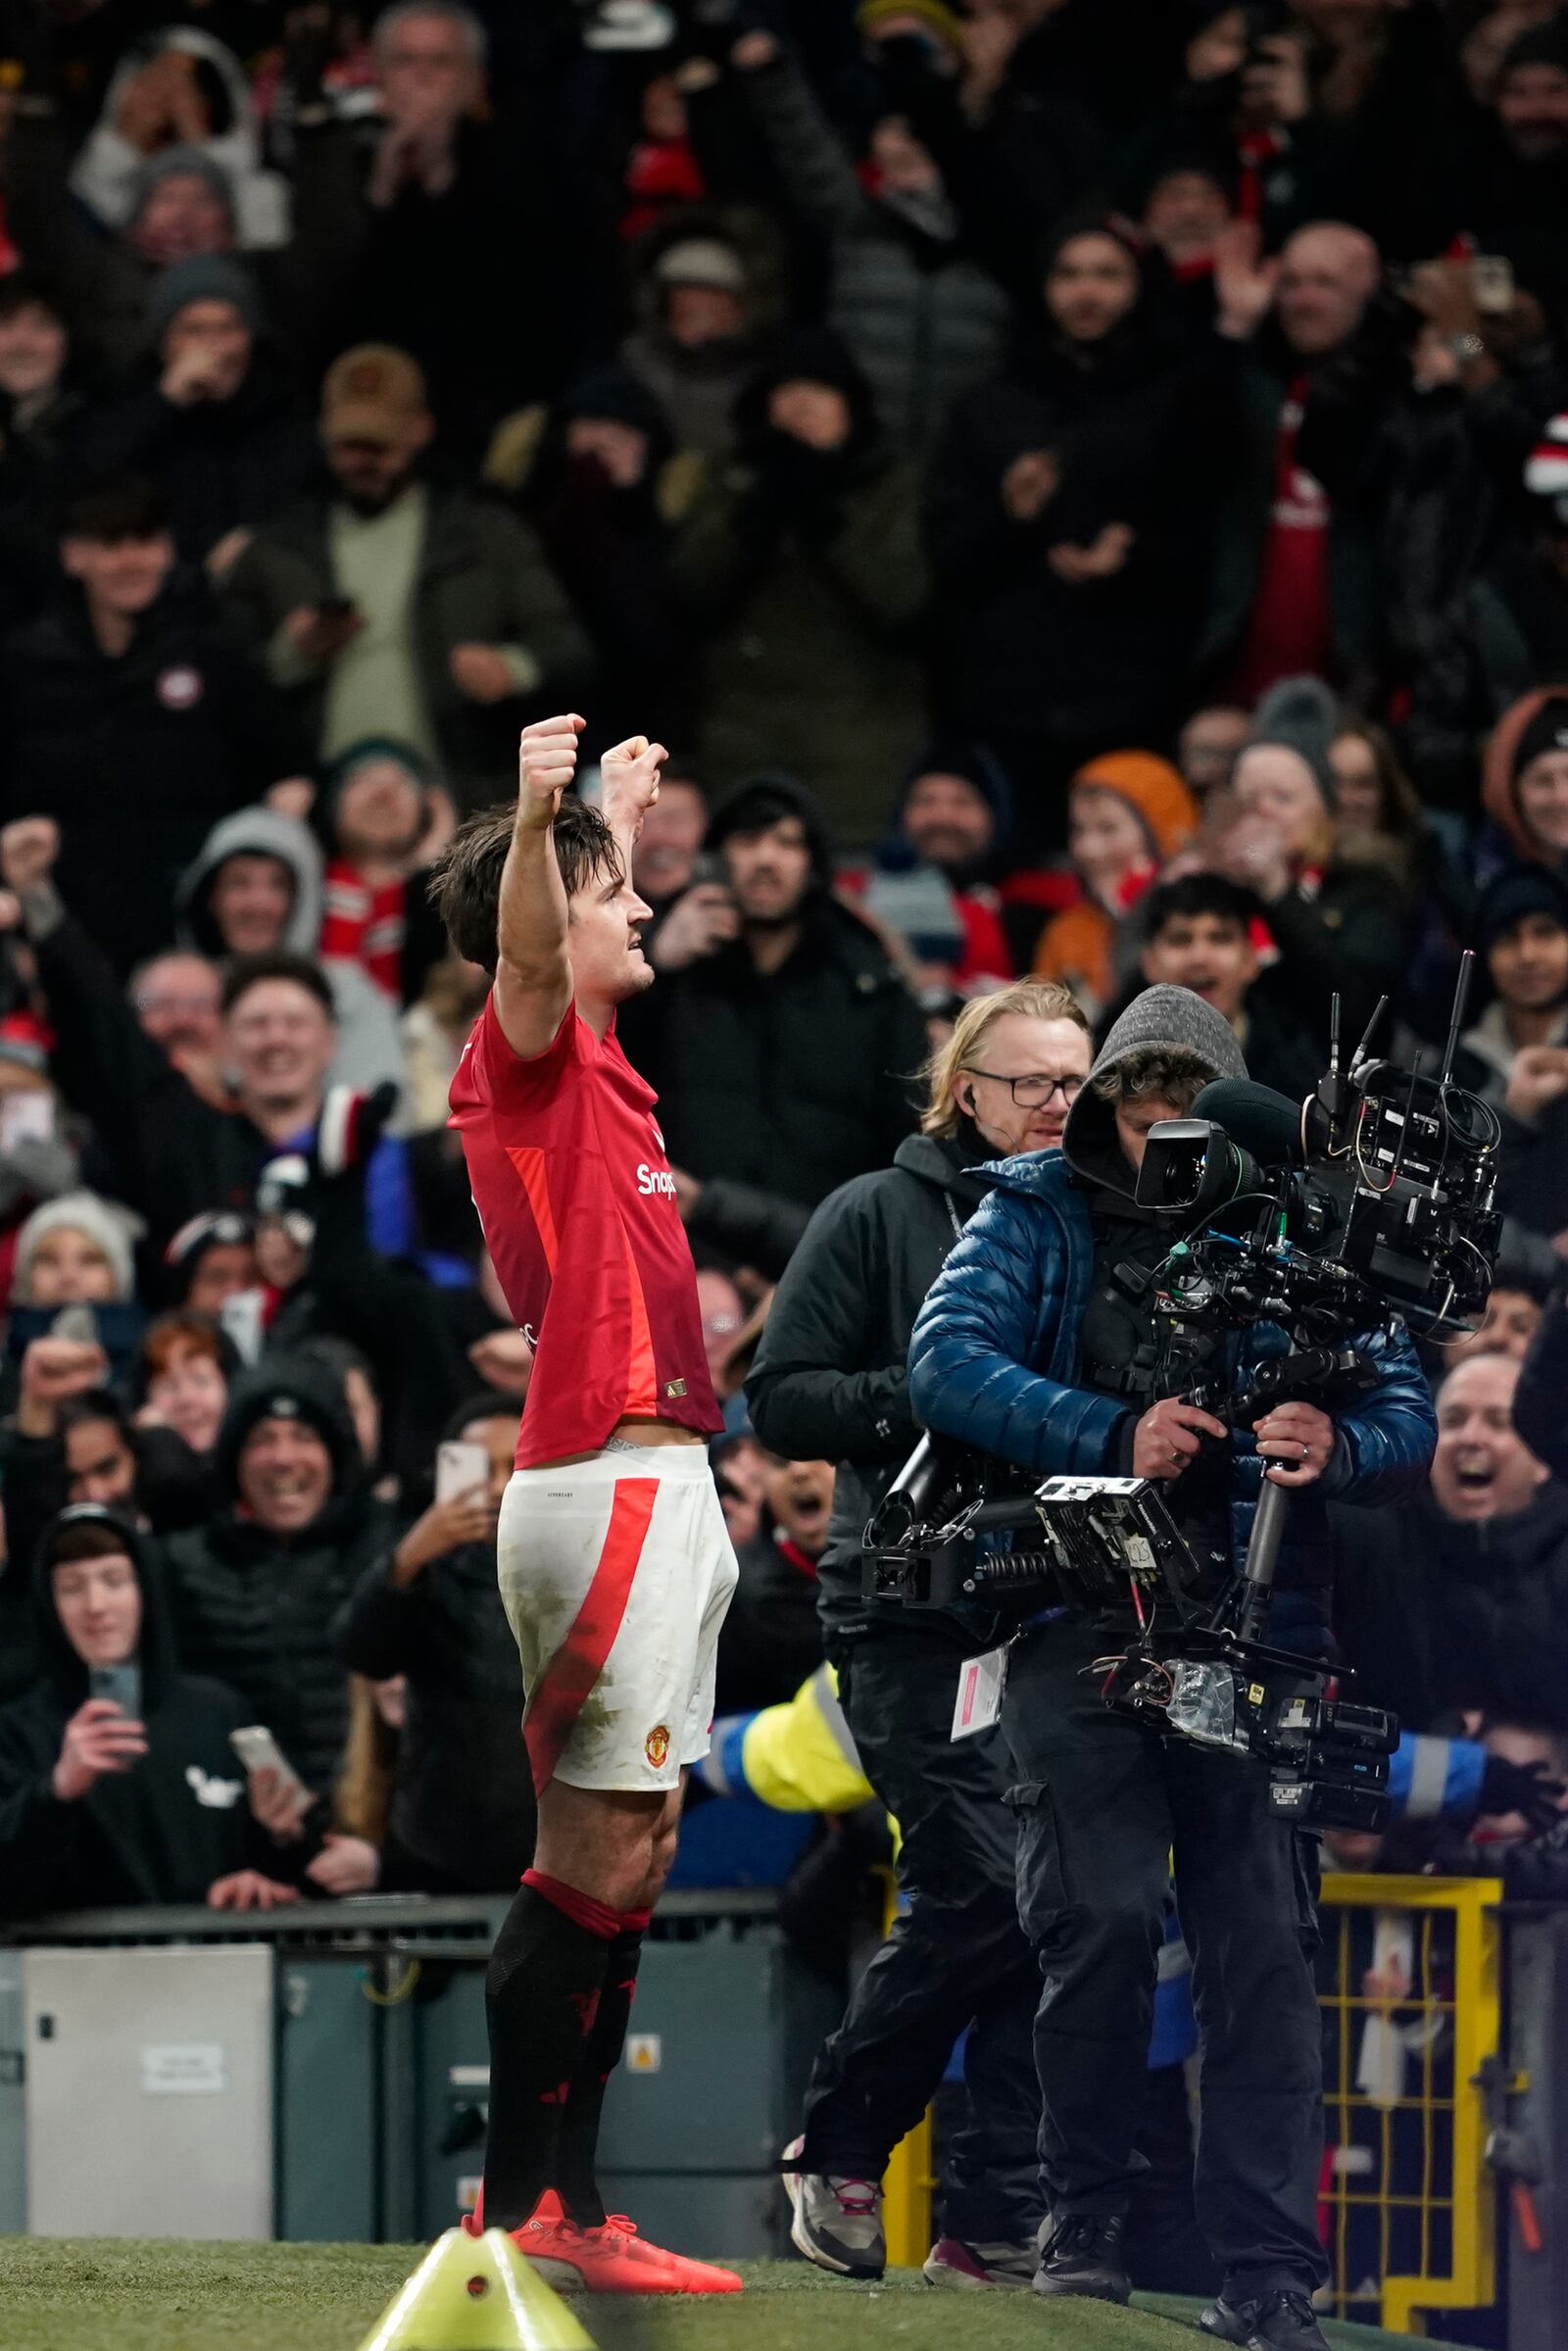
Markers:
point(255, 1590)
point(706, 314)
point(1201, 932)
point(1066, 534)
point(1128, 813)
point(460, 1818)
point(396, 608)
point(129, 719)
point(1521, 934)
point(1525, 778)
point(771, 1638)
point(179, 88)
point(733, 1042)
point(801, 565)
point(215, 420)
point(186, 1365)
point(104, 1801)
point(950, 838)
point(1456, 1601)
point(1513, 1315)
point(1207, 746)
point(921, 319)
point(384, 818)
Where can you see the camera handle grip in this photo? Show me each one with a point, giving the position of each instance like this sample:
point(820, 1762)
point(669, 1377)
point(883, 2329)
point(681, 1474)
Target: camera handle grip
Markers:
point(1262, 1555)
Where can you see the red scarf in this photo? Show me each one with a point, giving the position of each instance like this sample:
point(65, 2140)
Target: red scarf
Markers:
point(361, 925)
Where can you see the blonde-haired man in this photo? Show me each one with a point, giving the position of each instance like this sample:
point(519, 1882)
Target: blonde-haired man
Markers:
point(829, 1382)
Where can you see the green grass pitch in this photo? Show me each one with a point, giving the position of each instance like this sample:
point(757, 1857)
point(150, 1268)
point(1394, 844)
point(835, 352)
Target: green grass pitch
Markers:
point(112, 2294)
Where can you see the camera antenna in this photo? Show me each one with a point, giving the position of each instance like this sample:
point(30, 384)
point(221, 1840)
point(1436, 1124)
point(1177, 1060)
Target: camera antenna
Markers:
point(1378, 1011)
point(1461, 998)
point(1334, 1035)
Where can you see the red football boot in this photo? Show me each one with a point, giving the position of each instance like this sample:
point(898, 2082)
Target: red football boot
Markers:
point(613, 2259)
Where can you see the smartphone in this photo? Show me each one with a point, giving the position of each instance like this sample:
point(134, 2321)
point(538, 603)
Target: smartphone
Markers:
point(26, 1116)
point(75, 1322)
point(259, 1751)
point(459, 1466)
point(1492, 279)
point(120, 1684)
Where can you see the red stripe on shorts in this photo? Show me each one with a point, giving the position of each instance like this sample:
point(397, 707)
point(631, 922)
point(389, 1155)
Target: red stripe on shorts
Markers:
point(579, 1661)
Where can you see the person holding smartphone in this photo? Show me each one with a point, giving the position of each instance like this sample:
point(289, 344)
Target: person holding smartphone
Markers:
point(118, 1780)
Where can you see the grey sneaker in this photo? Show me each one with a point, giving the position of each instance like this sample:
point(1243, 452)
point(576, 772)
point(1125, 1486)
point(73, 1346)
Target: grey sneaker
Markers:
point(1082, 2254)
point(1279, 2322)
point(955, 2260)
point(838, 2219)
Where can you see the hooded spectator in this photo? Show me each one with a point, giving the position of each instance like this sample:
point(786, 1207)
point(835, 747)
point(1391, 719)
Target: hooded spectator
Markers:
point(952, 831)
point(801, 567)
point(105, 1802)
point(1338, 926)
point(1066, 527)
point(705, 311)
point(601, 478)
point(732, 1042)
point(215, 420)
point(254, 890)
point(1457, 1599)
point(255, 1591)
point(1525, 777)
point(395, 609)
point(461, 1811)
point(921, 319)
point(1521, 936)
point(179, 91)
point(1128, 814)
point(129, 719)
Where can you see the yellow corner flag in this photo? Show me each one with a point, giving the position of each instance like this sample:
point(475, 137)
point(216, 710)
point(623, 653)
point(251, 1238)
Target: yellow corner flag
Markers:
point(476, 2293)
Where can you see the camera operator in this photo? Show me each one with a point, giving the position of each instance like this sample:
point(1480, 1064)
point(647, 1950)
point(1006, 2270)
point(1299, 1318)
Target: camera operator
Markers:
point(1037, 1344)
point(829, 1378)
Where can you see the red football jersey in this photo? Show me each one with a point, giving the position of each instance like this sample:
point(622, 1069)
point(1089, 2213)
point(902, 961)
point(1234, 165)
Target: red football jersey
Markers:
point(569, 1177)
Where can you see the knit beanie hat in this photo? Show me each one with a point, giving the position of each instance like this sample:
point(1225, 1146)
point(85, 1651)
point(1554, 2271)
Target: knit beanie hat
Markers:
point(1546, 467)
point(1539, 45)
point(109, 1228)
point(1300, 715)
point(207, 278)
point(1547, 730)
point(1152, 789)
point(182, 163)
point(944, 25)
point(1517, 892)
point(286, 1388)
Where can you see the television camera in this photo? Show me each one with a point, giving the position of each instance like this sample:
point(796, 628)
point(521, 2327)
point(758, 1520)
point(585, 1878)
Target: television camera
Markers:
point(1368, 1204)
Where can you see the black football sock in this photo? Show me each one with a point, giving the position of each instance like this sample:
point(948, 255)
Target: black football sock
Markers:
point(542, 1994)
point(607, 2037)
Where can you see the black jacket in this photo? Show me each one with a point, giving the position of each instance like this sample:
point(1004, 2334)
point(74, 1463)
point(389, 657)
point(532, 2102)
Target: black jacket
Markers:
point(222, 462)
point(1538, 1400)
point(829, 1380)
point(257, 1610)
point(462, 1800)
point(794, 1081)
point(135, 758)
point(770, 1641)
point(159, 1833)
point(1132, 427)
point(1435, 1615)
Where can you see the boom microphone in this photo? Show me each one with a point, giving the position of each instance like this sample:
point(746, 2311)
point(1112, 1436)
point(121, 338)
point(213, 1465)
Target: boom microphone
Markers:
point(1265, 1124)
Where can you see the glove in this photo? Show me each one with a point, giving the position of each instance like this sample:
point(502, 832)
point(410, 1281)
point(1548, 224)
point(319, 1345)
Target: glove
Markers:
point(1522, 1788)
point(350, 1127)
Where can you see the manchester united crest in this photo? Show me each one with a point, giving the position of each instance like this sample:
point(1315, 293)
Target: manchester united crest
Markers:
point(656, 1746)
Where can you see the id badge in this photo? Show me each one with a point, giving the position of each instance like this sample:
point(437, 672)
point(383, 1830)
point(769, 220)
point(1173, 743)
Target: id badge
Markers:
point(981, 1682)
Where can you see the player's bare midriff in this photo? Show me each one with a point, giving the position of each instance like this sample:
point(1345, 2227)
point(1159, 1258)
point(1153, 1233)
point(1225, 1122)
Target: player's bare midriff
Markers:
point(633, 1431)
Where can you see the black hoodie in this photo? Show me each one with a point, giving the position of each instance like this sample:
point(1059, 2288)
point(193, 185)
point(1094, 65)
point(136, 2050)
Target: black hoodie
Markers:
point(829, 1380)
point(162, 1831)
point(257, 1609)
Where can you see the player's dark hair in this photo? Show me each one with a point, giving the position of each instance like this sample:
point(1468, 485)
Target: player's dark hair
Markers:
point(465, 878)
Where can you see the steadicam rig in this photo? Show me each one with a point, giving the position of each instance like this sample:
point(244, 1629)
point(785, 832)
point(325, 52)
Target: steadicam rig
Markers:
point(1368, 1204)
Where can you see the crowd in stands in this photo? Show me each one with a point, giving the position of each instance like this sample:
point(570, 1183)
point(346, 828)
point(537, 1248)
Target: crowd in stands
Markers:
point(1082, 489)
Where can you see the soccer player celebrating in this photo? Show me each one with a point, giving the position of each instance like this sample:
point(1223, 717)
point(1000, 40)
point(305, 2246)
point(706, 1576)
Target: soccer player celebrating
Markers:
point(615, 1566)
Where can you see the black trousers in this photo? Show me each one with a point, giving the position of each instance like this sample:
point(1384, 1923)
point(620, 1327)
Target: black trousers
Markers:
point(1103, 1804)
point(957, 1955)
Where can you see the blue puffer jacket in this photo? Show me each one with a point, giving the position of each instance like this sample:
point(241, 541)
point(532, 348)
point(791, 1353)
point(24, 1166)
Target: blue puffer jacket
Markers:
point(993, 1359)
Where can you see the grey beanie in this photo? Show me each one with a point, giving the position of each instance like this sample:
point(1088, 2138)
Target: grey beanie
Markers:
point(182, 163)
point(1163, 1016)
point(107, 1225)
point(1300, 715)
point(207, 278)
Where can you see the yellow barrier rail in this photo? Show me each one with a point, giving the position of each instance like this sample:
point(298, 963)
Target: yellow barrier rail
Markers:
point(1410, 2011)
